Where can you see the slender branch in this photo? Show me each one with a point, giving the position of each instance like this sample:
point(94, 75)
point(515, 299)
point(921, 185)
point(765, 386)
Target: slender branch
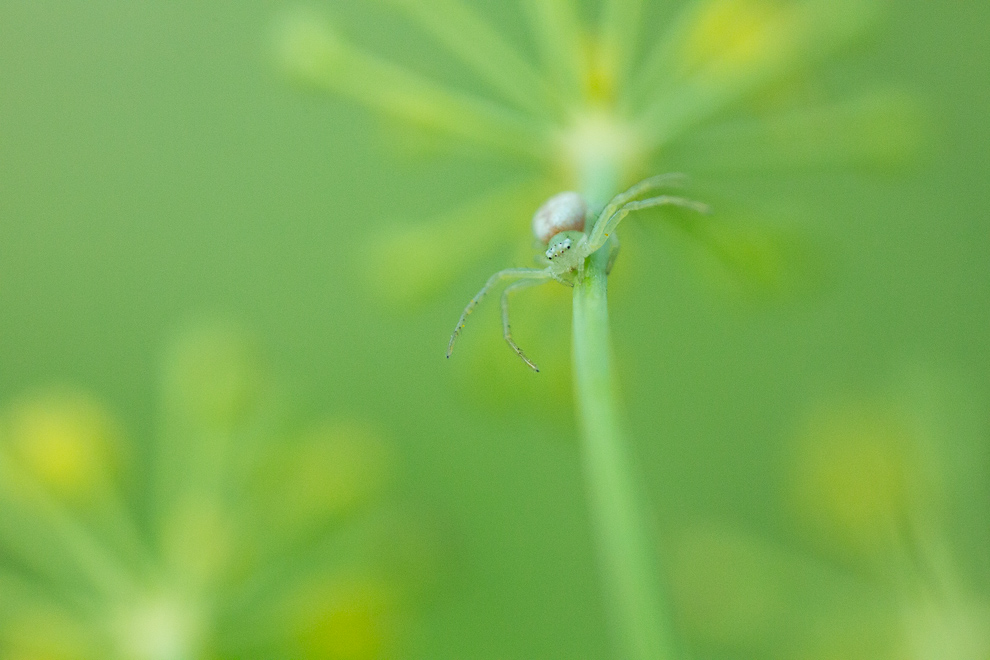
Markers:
point(777, 44)
point(556, 26)
point(315, 55)
point(621, 25)
point(481, 47)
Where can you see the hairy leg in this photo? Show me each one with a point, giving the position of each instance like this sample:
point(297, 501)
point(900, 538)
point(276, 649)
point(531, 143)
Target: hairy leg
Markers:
point(508, 274)
point(603, 229)
point(506, 331)
point(644, 186)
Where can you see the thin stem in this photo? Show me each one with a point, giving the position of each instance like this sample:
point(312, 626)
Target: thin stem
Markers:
point(315, 55)
point(480, 46)
point(556, 26)
point(627, 558)
point(621, 26)
point(781, 42)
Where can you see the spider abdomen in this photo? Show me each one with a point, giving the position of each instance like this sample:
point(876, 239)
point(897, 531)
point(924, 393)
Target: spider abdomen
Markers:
point(563, 212)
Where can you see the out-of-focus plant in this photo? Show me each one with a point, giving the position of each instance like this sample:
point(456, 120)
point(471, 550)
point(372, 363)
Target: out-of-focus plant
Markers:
point(720, 86)
point(608, 103)
point(890, 495)
point(228, 537)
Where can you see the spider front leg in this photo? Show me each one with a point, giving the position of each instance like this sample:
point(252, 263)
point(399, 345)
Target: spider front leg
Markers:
point(607, 224)
point(506, 331)
point(534, 274)
point(613, 255)
point(644, 186)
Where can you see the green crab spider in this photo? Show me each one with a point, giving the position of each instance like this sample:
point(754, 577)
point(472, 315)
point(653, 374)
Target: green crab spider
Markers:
point(560, 224)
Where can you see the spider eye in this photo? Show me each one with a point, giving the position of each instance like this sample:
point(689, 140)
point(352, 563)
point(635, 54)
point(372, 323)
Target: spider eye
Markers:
point(563, 212)
point(558, 248)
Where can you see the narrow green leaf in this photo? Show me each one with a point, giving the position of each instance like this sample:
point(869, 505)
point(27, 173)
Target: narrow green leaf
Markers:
point(409, 262)
point(561, 40)
point(880, 129)
point(621, 28)
point(313, 54)
point(483, 49)
point(739, 47)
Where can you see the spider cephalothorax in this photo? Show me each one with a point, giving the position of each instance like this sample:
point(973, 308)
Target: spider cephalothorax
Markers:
point(561, 243)
point(560, 223)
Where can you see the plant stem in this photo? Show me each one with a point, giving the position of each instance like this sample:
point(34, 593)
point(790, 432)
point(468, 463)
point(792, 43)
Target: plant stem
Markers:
point(627, 558)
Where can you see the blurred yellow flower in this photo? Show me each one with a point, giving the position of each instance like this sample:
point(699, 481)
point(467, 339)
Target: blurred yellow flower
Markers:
point(65, 441)
point(731, 36)
point(886, 574)
point(856, 470)
point(228, 544)
point(343, 620)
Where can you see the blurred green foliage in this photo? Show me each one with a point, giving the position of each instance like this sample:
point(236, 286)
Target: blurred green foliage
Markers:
point(235, 538)
point(816, 497)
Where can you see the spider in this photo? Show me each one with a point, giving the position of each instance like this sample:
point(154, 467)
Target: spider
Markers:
point(560, 223)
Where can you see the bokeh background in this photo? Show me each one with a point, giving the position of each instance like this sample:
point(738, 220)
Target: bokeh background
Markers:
point(228, 429)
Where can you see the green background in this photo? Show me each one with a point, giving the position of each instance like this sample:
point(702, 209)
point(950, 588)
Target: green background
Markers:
point(156, 169)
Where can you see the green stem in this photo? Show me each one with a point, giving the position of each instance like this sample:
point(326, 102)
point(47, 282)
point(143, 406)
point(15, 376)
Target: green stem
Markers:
point(627, 558)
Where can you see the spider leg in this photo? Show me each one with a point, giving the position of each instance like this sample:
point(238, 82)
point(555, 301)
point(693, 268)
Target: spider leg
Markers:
point(507, 274)
point(603, 230)
point(613, 255)
point(644, 186)
point(506, 331)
